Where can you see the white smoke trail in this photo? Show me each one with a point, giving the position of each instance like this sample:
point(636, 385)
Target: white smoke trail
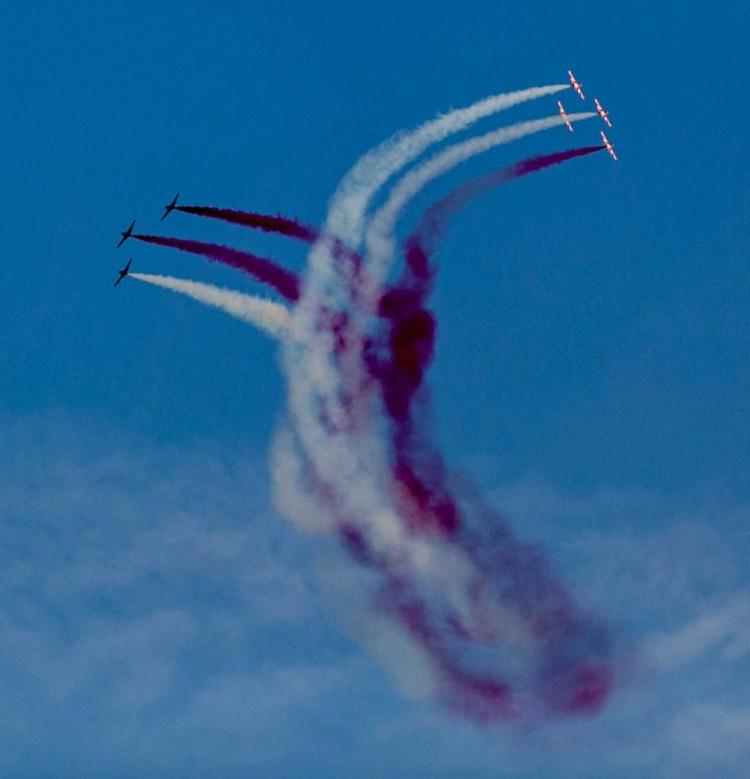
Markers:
point(371, 171)
point(272, 318)
point(379, 239)
point(349, 203)
point(314, 381)
point(295, 492)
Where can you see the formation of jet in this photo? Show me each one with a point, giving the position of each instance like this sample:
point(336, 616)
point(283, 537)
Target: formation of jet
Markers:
point(126, 234)
point(604, 114)
point(599, 110)
point(169, 207)
point(123, 272)
point(564, 116)
point(573, 82)
point(575, 85)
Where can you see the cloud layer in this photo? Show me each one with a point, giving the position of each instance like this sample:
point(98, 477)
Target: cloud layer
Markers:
point(157, 617)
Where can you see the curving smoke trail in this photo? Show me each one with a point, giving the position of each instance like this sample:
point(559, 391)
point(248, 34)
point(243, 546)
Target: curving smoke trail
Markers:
point(282, 225)
point(317, 395)
point(282, 280)
point(430, 229)
point(350, 201)
point(550, 657)
point(272, 318)
point(493, 627)
point(379, 238)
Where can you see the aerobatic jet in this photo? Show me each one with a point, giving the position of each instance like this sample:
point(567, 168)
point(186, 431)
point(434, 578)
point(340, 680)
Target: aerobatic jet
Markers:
point(170, 207)
point(564, 116)
point(123, 272)
point(604, 114)
point(575, 84)
point(126, 234)
point(610, 148)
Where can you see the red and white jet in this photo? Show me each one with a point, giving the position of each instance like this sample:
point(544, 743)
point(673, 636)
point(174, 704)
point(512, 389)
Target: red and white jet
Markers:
point(610, 148)
point(604, 114)
point(575, 84)
point(564, 116)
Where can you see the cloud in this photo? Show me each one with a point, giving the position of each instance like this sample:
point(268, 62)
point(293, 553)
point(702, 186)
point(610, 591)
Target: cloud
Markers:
point(141, 585)
point(727, 625)
point(158, 618)
point(712, 737)
point(653, 559)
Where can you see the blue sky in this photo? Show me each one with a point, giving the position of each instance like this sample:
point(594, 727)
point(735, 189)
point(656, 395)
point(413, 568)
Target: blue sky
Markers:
point(592, 375)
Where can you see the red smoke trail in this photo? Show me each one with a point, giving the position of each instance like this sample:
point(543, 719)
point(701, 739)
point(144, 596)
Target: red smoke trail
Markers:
point(435, 218)
point(344, 257)
point(572, 672)
point(266, 222)
point(284, 281)
point(411, 333)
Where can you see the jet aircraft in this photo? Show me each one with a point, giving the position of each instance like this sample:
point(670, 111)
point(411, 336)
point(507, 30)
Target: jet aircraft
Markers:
point(604, 114)
point(575, 84)
point(124, 272)
point(170, 207)
point(610, 148)
point(126, 234)
point(564, 116)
